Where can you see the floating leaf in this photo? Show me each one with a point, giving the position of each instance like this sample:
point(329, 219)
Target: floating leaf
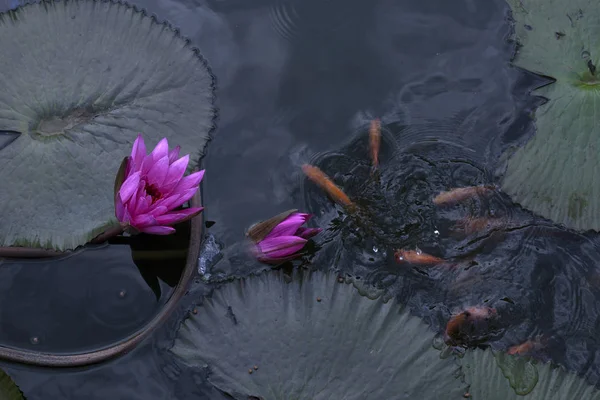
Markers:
point(8, 388)
point(311, 337)
point(80, 79)
point(555, 173)
point(521, 372)
point(505, 377)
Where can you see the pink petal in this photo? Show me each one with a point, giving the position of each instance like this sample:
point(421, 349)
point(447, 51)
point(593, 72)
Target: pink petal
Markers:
point(119, 208)
point(135, 198)
point(161, 150)
point(158, 172)
point(173, 154)
point(281, 246)
point(287, 227)
point(138, 152)
point(175, 217)
point(147, 163)
point(169, 219)
point(156, 211)
point(185, 196)
point(158, 230)
point(141, 206)
point(148, 200)
point(177, 199)
point(169, 201)
point(126, 215)
point(189, 182)
point(176, 171)
point(305, 216)
point(129, 186)
point(143, 220)
point(307, 233)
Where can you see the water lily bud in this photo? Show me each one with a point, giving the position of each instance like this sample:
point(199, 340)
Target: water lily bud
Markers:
point(282, 237)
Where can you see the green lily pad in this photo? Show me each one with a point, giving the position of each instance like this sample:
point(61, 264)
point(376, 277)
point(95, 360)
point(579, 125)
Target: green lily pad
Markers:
point(8, 388)
point(505, 377)
point(80, 79)
point(555, 173)
point(312, 337)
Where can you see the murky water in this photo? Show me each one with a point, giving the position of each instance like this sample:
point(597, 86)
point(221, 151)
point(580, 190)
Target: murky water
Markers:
point(299, 81)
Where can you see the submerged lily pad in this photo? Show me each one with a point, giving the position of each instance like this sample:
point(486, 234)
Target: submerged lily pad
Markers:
point(555, 173)
point(311, 337)
point(504, 377)
point(80, 79)
point(8, 388)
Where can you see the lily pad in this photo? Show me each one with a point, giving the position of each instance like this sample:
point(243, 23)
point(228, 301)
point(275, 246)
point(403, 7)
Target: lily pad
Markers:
point(309, 336)
point(555, 173)
point(505, 377)
point(80, 79)
point(8, 388)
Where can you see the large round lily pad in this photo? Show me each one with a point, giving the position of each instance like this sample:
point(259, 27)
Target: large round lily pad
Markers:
point(311, 337)
point(8, 388)
point(556, 173)
point(503, 377)
point(79, 80)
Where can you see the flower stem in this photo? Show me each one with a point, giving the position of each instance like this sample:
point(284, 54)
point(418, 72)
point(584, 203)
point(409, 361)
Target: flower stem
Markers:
point(111, 232)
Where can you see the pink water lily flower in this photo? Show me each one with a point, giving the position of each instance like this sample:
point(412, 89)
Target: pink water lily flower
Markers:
point(154, 187)
point(286, 239)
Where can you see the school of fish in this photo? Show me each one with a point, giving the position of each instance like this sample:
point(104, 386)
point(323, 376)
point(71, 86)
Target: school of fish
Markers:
point(464, 326)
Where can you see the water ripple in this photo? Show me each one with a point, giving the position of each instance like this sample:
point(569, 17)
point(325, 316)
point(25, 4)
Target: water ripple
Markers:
point(99, 293)
point(124, 294)
point(295, 18)
point(285, 19)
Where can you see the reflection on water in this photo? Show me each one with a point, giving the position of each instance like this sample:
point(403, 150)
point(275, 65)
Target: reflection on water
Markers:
point(298, 82)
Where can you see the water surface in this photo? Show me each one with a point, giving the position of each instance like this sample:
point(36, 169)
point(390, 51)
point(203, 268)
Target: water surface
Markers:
point(299, 81)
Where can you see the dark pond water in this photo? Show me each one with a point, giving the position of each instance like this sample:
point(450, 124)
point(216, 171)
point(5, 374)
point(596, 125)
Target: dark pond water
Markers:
point(299, 81)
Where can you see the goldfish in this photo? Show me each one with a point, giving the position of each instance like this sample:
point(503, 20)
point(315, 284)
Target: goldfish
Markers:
point(324, 182)
point(460, 194)
point(414, 257)
point(471, 322)
point(527, 347)
point(375, 141)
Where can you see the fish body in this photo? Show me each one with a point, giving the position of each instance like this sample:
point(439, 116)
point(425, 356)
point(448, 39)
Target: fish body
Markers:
point(375, 141)
point(414, 257)
point(470, 323)
point(324, 182)
point(527, 347)
point(461, 194)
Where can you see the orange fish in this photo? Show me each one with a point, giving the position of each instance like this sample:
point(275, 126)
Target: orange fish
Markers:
point(375, 140)
point(461, 194)
point(527, 346)
point(414, 257)
point(324, 182)
point(465, 323)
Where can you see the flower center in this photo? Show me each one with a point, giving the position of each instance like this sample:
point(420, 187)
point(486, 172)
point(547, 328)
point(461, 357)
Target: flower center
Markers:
point(154, 192)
